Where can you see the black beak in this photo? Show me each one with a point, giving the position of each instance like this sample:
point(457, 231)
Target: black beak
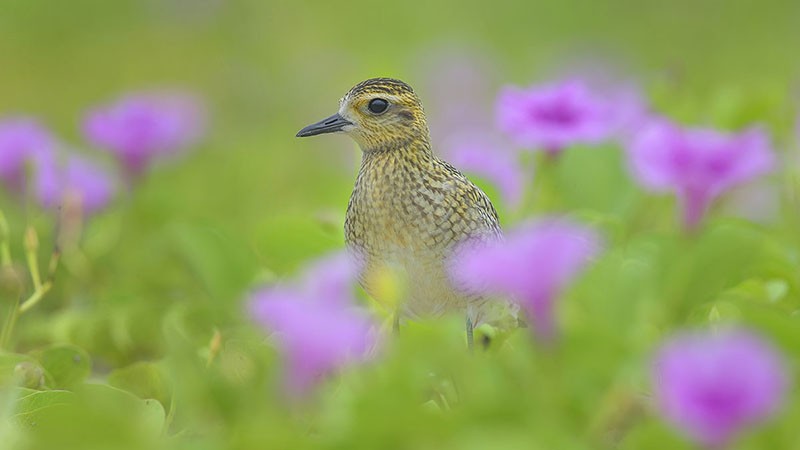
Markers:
point(332, 124)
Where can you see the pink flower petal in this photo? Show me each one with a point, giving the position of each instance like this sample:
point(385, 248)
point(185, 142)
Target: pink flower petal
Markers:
point(712, 386)
point(697, 164)
point(533, 265)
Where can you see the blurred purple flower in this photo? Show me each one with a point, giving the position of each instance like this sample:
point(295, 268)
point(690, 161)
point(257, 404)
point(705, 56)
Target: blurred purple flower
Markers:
point(533, 265)
point(140, 128)
point(331, 278)
point(553, 116)
point(23, 142)
point(315, 324)
point(607, 76)
point(697, 164)
point(486, 157)
point(80, 182)
point(711, 386)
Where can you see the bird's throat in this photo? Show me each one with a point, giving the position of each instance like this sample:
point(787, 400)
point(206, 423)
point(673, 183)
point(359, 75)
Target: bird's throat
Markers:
point(402, 153)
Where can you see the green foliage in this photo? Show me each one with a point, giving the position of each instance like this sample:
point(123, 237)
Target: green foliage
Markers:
point(146, 380)
point(32, 407)
point(143, 342)
point(66, 365)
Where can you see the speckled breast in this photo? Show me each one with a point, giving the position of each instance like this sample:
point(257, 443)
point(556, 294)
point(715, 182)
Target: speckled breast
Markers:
point(407, 219)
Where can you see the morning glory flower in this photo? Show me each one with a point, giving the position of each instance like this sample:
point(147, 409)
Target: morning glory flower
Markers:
point(331, 278)
point(551, 117)
point(24, 144)
point(713, 386)
point(486, 157)
point(316, 327)
point(533, 265)
point(79, 183)
point(141, 128)
point(697, 164)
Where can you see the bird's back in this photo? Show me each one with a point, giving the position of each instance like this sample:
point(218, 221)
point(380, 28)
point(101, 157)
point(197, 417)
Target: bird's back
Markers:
point(409, 210)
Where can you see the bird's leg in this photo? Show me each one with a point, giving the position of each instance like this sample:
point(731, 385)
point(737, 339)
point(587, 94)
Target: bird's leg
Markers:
point(470, 343)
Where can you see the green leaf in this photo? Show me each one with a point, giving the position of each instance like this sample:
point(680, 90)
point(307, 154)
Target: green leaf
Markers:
point(144, 379)
point(92, 416)
point(68, 365)
point(153, 416)
point(147, 415)
point(32, 406)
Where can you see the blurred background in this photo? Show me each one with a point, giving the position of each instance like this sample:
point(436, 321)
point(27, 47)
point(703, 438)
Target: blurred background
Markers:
point(268, 68)
point(162, 272)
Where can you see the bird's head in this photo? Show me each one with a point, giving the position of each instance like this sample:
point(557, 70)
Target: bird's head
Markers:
point(379, 114)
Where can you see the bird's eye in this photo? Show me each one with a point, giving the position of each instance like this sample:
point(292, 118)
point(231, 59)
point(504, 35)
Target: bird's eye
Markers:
point(378, 105)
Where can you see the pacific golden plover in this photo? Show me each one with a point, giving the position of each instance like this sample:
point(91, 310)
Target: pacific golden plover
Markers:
point(409, 209)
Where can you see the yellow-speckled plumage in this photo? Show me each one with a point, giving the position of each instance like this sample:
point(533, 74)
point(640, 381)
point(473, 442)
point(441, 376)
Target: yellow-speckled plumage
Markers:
point(409, 209)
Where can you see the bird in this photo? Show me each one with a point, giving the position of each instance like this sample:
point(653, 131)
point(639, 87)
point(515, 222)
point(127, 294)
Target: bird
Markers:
point(410, 210)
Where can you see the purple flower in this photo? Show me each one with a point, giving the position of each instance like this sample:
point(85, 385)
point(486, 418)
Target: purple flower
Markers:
point(697, 164)
point(711, 386)
point(533, 265)
point(79, 183)
point(23, 142)
point(331, 278)
point(487, 157)
point(143, 127)
point(553, 116)
point(315, 325)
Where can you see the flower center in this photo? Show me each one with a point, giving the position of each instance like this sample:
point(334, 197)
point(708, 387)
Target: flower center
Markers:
point(558, 114)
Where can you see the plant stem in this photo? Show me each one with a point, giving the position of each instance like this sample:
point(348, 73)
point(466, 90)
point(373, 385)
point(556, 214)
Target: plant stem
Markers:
point(8, 327)
point(40, 289)
point(34, 298)
point(46, 286)
point(31, 247)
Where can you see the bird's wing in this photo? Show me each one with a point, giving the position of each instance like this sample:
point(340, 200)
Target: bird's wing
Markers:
point(471, 214)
